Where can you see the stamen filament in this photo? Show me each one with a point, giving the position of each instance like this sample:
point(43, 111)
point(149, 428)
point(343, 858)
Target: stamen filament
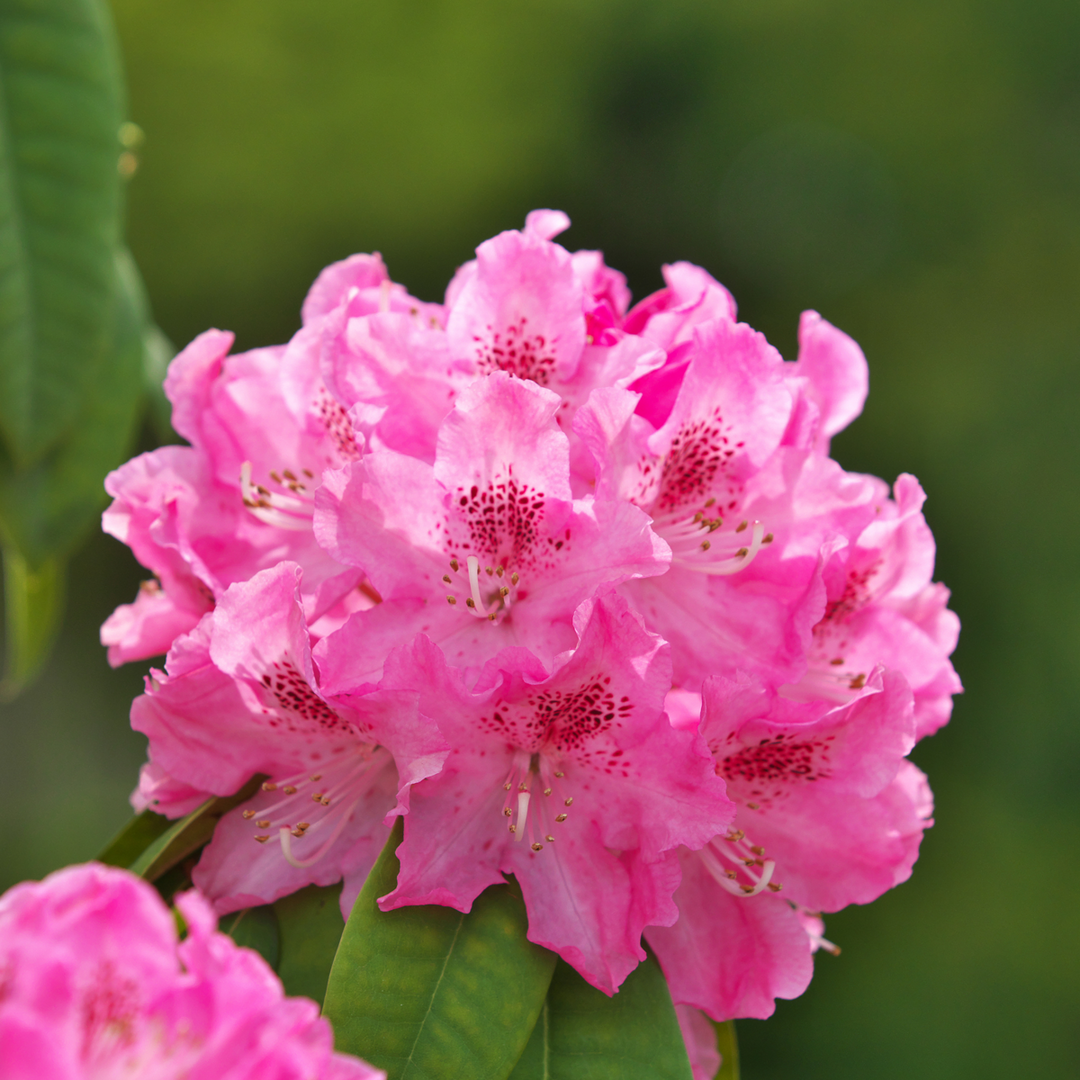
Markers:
point(284, 512)
point(742, 558)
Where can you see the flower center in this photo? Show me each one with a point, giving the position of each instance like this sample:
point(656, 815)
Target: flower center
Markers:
point(489, 592)
point(702, 543)
point(286, 505)
point(739, 866)
point(314, 806)
point(533, 782)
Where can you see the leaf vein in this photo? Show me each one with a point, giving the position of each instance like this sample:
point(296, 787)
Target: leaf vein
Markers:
point(434, 994)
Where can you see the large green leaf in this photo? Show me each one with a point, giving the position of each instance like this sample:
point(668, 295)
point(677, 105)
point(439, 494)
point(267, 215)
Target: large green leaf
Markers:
point(428, 992)
point(310, 926)
point(582, 1034)
point(255, 928)
point(47, 508)
point(61, 106)
point(73, 316)
point(189, 833)
point(134, 838)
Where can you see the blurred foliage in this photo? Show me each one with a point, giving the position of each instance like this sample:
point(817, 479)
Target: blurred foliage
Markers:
point(73, 314)
point(912, 171)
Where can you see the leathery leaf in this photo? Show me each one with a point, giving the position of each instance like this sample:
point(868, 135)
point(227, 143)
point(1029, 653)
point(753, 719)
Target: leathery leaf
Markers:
point(429, 992)
point(47, 508)
point(582, 1034)
point(255, 928)
point(310, 927)
point(61, 106)
point(134, 838)
point(189, 833)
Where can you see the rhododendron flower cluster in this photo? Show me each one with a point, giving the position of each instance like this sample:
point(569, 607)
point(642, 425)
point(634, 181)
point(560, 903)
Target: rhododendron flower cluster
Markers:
point(572, 586)
point(93, 984)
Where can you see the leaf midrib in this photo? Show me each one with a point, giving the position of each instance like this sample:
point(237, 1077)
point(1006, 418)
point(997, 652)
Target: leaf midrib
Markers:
point(434, 994)
point(13, 189)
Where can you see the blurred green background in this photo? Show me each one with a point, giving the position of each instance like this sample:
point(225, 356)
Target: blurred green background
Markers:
point(910, 170)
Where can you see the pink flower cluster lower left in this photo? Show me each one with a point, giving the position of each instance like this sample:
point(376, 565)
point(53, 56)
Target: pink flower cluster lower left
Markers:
point(95, 985)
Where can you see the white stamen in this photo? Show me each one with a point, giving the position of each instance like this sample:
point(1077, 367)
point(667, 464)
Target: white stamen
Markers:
point(728, 879)
point(284, 513)
point(733, 565)
point(522, 813)
point(477, 608)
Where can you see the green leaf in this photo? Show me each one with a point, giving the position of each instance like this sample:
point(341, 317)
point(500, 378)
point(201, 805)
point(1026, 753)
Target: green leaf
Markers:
point(189, 833)
point(134, 838)
point(47, 508)
point(428, 992)
point(728, 1045)
point(33, 608)
point(255, 928)
point(310, 926)
point(582, 1034)
point(61, 106)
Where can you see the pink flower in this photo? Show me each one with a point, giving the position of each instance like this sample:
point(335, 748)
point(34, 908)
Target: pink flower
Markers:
point(483, 550)
point(410, 556)
point(882, 608)
point(745, 515)
point(236, 501)
point(828, 811)
point(692, 297)
point(700, 1038)
point(241, 698)
point(830, 373)
point(94, 985)
point(525, 306)
point(262, 428)
point(573, 781)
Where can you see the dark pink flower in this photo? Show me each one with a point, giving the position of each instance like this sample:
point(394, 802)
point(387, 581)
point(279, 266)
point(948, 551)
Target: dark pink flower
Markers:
point(882, 608)
point(241, 698)
point(411, 554)
point(525, 306)
point(486, 548)
point(829, 814)
point(745, 515)
point(692, 297)
point(236, 501)
point(573, 781)
point(262, 427)
point(94, 985)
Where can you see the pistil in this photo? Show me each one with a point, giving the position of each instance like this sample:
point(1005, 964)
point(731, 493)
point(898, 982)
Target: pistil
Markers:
point(526, 772)
point(499, 600)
